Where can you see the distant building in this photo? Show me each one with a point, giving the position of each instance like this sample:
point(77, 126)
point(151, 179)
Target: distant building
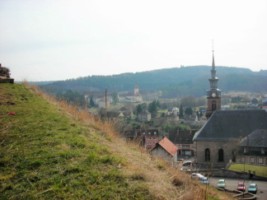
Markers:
point(253, 148)
point(131, 97)
point(136, 90)
point(144, 116)
point(183, 140)
point(166, 150)
point(148, 137)
point(217, 141)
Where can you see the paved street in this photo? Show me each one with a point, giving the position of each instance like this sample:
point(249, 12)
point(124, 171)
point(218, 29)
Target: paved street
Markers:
point(232, 184)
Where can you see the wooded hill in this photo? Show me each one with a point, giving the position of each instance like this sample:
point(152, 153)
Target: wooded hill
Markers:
point(173, 82)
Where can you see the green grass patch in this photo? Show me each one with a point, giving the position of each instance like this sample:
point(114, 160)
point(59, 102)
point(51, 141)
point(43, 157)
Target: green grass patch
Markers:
point(46, 155)
point(259, 170)
point(213, 197)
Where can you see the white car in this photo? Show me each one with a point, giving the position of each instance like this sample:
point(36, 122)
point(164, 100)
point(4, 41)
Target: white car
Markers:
point(187, 166)
point(200, 177)
point(221, 183)
point(196, 176)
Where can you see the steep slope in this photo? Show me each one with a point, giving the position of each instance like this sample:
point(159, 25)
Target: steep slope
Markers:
point(51, 150)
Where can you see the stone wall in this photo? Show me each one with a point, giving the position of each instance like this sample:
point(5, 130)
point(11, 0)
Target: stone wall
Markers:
point(7, 80)
point(228, 148)
point(160, 152)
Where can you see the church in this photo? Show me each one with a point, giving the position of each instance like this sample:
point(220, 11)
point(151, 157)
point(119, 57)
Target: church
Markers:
point(218, 142)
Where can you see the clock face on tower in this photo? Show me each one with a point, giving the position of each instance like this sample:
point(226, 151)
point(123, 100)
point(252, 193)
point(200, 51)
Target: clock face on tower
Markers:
point(213, 94)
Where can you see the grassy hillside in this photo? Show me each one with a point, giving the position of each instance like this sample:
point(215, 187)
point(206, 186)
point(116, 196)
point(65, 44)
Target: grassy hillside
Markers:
point(50, 150)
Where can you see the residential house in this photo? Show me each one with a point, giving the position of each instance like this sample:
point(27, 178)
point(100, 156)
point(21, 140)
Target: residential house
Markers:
point(253, 148)
point(144, 116)
point(166, 150)
point(148, 138)
point(183, 139)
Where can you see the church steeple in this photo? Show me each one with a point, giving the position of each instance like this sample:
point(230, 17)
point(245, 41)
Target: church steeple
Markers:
point(213, 94)
point(213, 61)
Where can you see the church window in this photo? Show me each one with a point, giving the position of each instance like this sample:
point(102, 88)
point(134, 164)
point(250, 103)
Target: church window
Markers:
point(213, 105)
point(207, 155)
point(233, 156)
point(220, 155)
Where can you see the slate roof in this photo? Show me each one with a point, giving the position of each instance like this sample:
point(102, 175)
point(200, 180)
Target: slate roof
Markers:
point(231, 124)
point(166, 144)
point(257, 138)
point(182, 137)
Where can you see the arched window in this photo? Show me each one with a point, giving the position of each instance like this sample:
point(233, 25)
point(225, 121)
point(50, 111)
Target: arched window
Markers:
point(207, 155)
point(220, 155)
point(213, 105)
point(233, 156)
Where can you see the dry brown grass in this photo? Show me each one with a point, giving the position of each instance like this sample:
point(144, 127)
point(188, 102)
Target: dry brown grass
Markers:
point(163, 180)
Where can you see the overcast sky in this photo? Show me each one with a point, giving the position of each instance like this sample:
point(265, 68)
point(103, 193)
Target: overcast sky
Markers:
point(62, 39)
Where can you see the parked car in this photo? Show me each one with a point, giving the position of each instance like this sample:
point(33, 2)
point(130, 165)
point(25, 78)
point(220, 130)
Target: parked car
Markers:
point(187, 166)
point(200, 177)
point(253, 188)
point(204, 180)
point(241, 186)
point(196, 175)
point(221, 183)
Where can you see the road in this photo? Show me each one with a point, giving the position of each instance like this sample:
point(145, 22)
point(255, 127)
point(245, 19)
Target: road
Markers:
point(231, 184)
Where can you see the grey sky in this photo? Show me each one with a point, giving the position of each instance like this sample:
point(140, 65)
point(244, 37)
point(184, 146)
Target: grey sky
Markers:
point(61, 39)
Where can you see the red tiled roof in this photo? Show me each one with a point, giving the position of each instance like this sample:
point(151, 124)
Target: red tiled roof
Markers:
point(166, 144)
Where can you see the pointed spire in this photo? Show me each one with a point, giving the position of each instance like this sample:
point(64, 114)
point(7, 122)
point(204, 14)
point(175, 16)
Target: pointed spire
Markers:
point(213, 60)
point(213, 94)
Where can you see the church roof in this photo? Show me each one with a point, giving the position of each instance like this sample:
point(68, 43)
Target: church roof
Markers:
point(181, 137)
point(232, 124)
point(257, 138)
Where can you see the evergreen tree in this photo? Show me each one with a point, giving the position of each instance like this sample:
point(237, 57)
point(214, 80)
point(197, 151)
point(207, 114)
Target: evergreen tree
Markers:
point(115, 98)
point(91, 102)
point(181, 111)
point(188, 111)
point(153, 108)
point(140, 108)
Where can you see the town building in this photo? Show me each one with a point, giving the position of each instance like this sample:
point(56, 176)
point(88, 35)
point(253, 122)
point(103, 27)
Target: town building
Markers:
point(183, 140)
point(144, 116)
point(217, 142)
point(253, 148)
point(166, 150)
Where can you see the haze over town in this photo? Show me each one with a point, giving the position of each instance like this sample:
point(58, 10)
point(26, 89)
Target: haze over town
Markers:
point(55, 40)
